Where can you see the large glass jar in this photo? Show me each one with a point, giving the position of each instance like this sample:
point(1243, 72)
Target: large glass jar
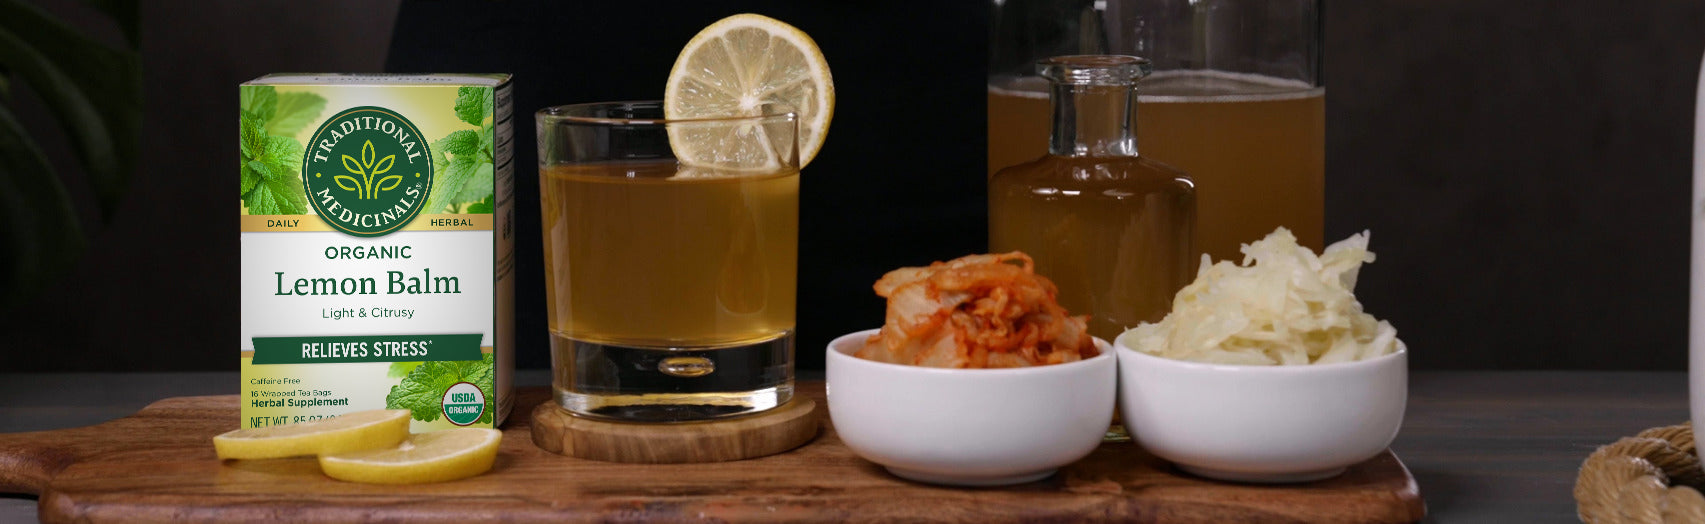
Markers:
point(1236, 100)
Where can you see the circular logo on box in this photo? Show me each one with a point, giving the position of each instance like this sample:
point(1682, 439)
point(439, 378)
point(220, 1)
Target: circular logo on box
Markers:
point(463, 403)
point(367, 171)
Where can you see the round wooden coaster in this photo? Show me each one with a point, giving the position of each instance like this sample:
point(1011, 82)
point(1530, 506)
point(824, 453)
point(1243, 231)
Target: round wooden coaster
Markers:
point(774, 431)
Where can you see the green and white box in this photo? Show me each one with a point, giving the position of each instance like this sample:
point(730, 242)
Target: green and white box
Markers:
point(377, 259)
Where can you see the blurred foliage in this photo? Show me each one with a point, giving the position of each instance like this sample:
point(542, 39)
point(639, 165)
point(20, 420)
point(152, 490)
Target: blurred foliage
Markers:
point(94, 91)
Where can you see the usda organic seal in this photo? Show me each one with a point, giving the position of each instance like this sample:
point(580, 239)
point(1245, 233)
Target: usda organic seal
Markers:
point(367, 171)
point(463, 403)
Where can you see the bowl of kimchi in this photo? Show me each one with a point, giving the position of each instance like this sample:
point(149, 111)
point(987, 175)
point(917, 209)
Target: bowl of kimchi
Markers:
point(978, 377)
point(969, 427)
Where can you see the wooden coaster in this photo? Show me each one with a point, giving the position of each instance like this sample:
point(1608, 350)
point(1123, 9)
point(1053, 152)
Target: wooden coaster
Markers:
point(774, 431)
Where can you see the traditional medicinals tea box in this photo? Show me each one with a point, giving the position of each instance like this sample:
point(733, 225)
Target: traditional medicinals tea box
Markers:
point(377, 267)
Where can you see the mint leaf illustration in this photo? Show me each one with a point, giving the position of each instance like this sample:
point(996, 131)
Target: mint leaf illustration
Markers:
point(294, 112)
point(260, 100)
point(450, 183)
point(463, 159)
point(250, 177)
point(422, 391)
point(473, 104)
point(283, 153)
point(401, 369)
point(464, 142)
point(271, 163)
point(273, 197)
point(252, 134)
point(486, 206)
point(478, 186)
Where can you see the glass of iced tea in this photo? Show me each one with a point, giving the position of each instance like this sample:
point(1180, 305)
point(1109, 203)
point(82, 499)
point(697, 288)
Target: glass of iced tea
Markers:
point(671, 250)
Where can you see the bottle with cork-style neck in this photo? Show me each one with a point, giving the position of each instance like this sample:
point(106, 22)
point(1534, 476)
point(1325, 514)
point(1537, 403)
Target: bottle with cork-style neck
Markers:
point(1112, 229)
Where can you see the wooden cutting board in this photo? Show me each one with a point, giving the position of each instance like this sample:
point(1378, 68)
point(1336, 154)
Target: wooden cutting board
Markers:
point(158, 465)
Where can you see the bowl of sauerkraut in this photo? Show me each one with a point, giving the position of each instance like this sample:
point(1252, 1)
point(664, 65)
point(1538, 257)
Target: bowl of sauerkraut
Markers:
point(1267, 371)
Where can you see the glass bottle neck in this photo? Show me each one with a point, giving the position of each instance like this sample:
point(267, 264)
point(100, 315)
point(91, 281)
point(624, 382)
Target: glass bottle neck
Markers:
point(1094, 120)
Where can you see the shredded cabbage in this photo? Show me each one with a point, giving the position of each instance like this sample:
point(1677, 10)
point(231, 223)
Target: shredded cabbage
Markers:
point(1289, 307)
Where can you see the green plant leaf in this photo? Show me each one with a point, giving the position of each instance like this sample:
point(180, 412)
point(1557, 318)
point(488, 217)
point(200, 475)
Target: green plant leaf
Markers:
point(473, 103)
point(277, 197)
point(421, 392)
point(446, 187)
point(266, 170)
point(79, 116)
point(440, 162)
point(251, 135)
point(251, 176)
point(260, 100)
point(294, 112)
point(478, 186)
point(108, 79)
point(422, 389)
point(486, 147)
point(41, 231)
point(285, 153)
point(279, 190)
point(464, 142)
point(401, 369)
point(485, 206)
point(95, 93)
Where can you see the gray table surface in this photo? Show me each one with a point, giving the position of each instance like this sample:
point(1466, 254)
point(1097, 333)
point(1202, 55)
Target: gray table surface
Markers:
point(1483, 446)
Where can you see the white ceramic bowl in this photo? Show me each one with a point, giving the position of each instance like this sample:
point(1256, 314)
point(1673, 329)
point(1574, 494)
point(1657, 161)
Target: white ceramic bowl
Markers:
point(969, 427)
point(1262, 423)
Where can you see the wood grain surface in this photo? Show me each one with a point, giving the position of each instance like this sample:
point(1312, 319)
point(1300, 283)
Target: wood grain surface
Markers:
point(158, 465)
point(786, 427)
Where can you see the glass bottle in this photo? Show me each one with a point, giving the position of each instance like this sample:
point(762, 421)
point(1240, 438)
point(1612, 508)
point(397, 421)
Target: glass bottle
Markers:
point(1112, 229)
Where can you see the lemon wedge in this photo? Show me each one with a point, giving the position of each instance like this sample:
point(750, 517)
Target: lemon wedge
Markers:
point(356, 431)
point(438, 456)
point(737, 67)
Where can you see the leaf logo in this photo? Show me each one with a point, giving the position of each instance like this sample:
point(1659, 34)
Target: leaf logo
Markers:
point(367, 171)
point(367, 168)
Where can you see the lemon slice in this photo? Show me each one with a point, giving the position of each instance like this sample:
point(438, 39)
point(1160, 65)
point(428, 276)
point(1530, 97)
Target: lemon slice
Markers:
point(735, 68)
point(438, 456)
point(350, 432)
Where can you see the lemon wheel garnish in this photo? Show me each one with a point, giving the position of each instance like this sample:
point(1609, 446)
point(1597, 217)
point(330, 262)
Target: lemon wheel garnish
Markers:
point(734, 68)
point(361, 430)
point(438, 456)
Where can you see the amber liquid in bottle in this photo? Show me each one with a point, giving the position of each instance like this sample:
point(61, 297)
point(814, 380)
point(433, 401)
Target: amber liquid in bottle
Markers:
point(1112, 229)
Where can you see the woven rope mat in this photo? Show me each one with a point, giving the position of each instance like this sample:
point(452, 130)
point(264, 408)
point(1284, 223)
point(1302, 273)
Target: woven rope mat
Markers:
point(1653, 477)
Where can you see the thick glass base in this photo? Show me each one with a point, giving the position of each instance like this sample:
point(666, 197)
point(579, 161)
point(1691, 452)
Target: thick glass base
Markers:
point(671, 384)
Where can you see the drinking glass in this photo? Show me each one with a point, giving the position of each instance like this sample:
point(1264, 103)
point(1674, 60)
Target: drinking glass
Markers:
point(1236, 101)
point(670, 274)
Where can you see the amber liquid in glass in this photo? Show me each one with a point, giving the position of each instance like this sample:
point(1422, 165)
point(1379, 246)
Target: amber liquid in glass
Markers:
point(1112, 233)
point(670, 299)
point(1111, 229)
point(1255, 146)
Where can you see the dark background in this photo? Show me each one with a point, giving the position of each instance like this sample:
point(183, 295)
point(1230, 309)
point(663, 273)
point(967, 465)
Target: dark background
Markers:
point(1524, 166)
